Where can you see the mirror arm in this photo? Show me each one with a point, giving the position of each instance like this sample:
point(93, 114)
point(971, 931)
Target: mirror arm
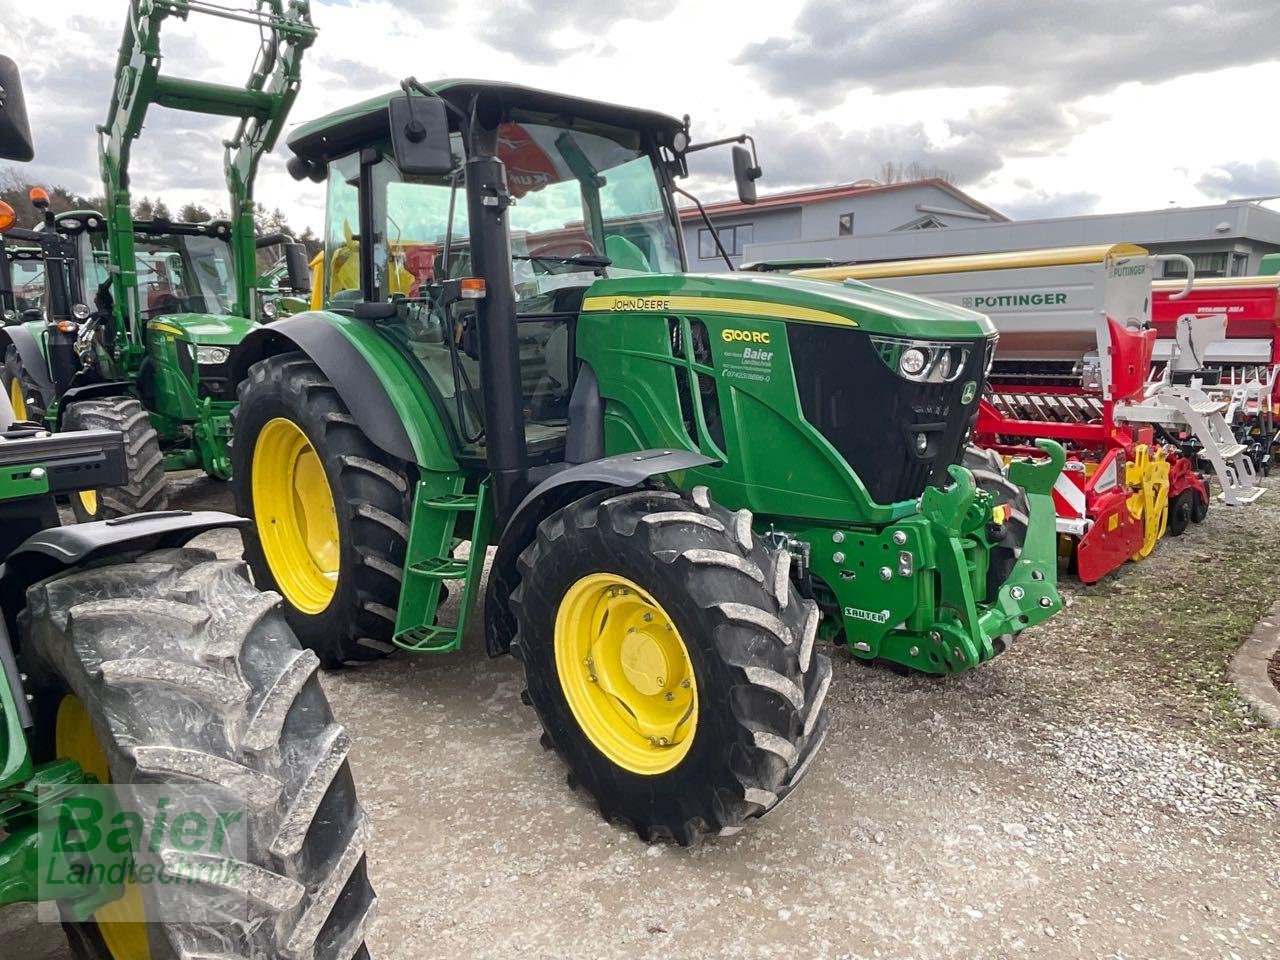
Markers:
point(413, 83)
point(715, 234)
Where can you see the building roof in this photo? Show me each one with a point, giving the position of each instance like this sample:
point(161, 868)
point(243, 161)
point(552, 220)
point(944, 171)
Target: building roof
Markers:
point(1215, 222)
point(800, 198)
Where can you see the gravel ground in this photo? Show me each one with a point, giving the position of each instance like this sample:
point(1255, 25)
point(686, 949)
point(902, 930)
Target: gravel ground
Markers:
point(1098, 791)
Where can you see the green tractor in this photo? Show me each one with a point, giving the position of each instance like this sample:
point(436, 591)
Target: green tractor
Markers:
point(679, 473)
point(135, 667)
point(160, 304)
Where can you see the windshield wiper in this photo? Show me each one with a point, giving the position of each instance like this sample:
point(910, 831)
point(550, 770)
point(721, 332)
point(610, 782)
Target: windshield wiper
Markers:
point(587, 261)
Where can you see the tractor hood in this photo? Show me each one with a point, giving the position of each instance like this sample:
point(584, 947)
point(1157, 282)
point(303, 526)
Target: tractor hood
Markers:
point(782, 297)
point(204, 328)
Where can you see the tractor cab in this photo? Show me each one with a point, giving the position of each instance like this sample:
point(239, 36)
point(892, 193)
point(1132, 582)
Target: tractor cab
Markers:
point(588, 200)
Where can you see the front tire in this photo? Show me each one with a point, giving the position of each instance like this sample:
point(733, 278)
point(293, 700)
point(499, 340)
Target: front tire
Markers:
point(24, 396)
point(670, 660)
point(147, 488)
point(173, 670)
point(330, 510)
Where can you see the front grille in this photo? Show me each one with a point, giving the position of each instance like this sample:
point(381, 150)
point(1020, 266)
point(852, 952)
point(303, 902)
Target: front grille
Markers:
point(873, 416)
point(215, 382)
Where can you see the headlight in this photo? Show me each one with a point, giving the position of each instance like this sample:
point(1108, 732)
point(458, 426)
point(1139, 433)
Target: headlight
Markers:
point(268, 310)
point(911, 362)
point(81, 311)
point(212, 355)
point(924, 361)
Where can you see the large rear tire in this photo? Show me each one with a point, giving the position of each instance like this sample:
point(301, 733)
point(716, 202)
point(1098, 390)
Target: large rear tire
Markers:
point(330, 510)
point(670, 660)
point(147, 488)
point(173, 670)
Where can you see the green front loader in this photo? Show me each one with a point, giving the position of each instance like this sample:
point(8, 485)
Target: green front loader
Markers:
point(683, 476)
point(159, 304)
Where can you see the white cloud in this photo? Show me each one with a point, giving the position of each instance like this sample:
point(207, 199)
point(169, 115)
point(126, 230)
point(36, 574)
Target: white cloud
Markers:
point(1027, 140)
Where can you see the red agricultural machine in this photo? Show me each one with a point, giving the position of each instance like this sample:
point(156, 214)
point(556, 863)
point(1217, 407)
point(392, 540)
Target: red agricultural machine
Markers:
point(1239, 363)
point(1074, 364)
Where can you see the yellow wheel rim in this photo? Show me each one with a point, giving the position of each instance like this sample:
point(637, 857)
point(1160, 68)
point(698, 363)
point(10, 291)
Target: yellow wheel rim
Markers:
point(122, 923)
point(626, 674)
point(17, 399)
point(89, 500)
point(294, 512)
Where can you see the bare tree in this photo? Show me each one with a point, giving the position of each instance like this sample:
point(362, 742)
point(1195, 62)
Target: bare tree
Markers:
point(901, 172)
point(15, 190)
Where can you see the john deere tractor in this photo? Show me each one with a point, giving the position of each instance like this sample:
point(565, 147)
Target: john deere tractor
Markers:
point(679, 473)
point(143, 684)
point(160, 303)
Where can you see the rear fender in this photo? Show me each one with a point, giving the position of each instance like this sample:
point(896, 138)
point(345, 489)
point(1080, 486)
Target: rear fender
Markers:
point(385, 395)
point(623, 470)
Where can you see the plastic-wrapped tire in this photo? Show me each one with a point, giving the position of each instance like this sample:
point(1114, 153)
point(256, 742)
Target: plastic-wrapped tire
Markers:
point(190, 676)
point(147, 488)
point(742, 660)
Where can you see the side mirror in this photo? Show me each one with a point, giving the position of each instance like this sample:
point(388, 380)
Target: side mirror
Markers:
point(745, 174)
point(297, 267)
point(15, 131)
point(420, 136)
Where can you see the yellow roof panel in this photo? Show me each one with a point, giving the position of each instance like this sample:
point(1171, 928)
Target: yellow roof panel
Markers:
point(1054, 257)
point(1219, 283)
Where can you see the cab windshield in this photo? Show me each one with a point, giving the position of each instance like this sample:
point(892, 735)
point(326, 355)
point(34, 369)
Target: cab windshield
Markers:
point(176, 273)
point(182, 274)
point(588, 204)
point(29, 284)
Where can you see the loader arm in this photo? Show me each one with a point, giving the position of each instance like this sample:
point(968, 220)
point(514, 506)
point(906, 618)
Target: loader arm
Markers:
point(261, 105)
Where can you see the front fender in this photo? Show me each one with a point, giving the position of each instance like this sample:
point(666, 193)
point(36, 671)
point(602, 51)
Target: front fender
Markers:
point(384, 393)
point(559, 490)
point(58, 548)
point(31, 351)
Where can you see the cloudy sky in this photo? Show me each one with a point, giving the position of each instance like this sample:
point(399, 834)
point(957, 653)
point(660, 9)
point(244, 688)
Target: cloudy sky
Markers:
point(1037, 107)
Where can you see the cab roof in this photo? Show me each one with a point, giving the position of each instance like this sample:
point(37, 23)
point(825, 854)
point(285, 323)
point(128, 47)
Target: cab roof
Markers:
point(339, 133)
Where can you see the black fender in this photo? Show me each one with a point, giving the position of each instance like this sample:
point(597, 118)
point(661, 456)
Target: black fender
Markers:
point(92, 391)
point(56, 549)
point(33, 360)
point(623, 470)
point(357, 384)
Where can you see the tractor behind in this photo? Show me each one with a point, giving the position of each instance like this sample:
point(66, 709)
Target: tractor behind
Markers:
point(143, 679)
point(160, 304)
